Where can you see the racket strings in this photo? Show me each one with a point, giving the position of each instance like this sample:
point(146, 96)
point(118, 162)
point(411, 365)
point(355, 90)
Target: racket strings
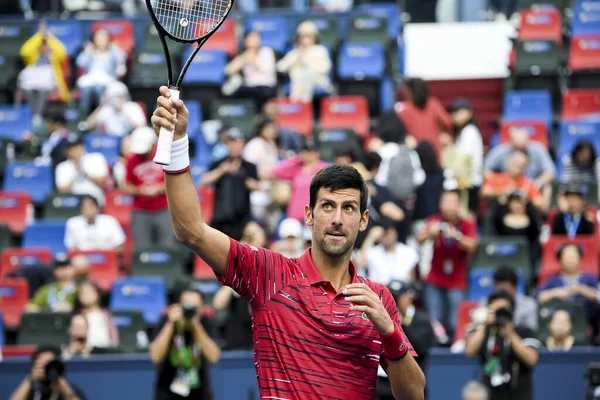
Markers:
point(190, 19)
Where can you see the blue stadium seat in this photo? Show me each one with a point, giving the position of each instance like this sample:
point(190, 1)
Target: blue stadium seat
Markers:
point(37, 180)
point(391, 11)
point(195, 117)
point(69, 32)
point(45, 234)
point(147, 295)
point(387, 93)
point(198, 167)
point(358, 61)
point(107, 145)
point(208, 67)
point(481, 283)
point(586, 18)
point(14, 122)
point(1, 331)
point(573, 132)
point(274, 30)
point(528, 105)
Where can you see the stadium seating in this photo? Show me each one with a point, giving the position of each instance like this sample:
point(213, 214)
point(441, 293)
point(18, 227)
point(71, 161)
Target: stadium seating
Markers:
point(585, 53)
point(5, 237)
point(274, 30)
point(208, 287)
point(131, 327)
point(198, 167)
point(206, 195)
point(224, 39)
point(571, 133)
point(14, 209)
point(121, 33)
point(578, 317)
point(537, 66)
point(591, 188)
point(586, 21)
point(550, 264)
point(327, 139)
point(61, 206)
point(118, 204)
point(390, 11)
point(15, 121)
point(207, 68)
point(37, 180)
point(366, 27)
point(236, 113)
point(298, 117)
point(194, 118)
point(1, 331)
point(150, 42)
point(345, 112)
point(104, 266)
point(359, 61)
point(9, 69)
point(581, 104)
point(464, 319)
point(481, 283)
point(43, 328)
point(14, 295)
point(493, 251)
point(147, 71)
point(14, 258)
point(540, 24)
point(45, 234)
point(147, 295)
point(538, 131)
point(13, 35)
point(107, 145)
point(158, 262)
point(329, 29)
point(202, 270)
point(69, 32)
point(528, 105)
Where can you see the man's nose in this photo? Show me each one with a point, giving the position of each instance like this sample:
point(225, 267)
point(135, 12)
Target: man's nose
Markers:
point(337, 217)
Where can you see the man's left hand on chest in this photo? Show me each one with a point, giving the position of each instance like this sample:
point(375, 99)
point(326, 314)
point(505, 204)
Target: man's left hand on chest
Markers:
point(364, 300)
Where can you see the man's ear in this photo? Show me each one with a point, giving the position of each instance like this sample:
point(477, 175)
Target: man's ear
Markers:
point(364, 221)
point(308, 216)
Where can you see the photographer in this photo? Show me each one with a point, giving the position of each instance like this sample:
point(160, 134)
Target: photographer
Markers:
point(507, 353)
point(182, 349)
point(46, 380)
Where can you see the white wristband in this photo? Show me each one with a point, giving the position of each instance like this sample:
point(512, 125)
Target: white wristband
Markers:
point(180, 156)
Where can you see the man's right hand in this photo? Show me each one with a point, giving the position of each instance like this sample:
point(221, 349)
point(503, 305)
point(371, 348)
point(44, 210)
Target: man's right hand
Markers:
point(175, 313)
point(38, 371)
point(172, 115)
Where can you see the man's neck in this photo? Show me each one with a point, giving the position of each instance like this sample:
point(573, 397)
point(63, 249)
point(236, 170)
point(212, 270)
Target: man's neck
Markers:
point(62, 284)
point(334, 270)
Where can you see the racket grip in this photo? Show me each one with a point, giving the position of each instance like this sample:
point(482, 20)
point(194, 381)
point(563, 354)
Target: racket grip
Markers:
point(165, 138)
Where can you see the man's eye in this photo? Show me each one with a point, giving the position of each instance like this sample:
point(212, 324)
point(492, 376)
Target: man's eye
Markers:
point(327, 207)
point(349, 208)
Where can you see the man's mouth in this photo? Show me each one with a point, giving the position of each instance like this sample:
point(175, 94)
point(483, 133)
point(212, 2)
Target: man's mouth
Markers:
point(336, 234)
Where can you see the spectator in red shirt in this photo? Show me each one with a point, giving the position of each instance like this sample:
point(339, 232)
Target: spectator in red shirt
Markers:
point(423, 115)
point(150, 223)
point(455, 238)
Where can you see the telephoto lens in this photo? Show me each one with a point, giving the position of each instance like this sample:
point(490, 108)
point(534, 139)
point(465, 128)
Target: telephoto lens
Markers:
point(189, 311)
point(54, 371)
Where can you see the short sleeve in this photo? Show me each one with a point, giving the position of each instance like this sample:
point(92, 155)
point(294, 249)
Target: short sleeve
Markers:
point(70, 240)
point(390, 306)
point(64, 174)
point(129, 166)
point(529, 337)
point(118, 236)
point(97, 166)
point(470, 229)
point(256, 274)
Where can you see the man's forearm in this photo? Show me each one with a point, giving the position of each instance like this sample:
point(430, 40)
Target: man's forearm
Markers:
point(160, 345)
point(211, 351)
point(22, 391)
point(527, 354)
point(184, 207)
point(474, 341)
point(66, 390)
point(407, 379)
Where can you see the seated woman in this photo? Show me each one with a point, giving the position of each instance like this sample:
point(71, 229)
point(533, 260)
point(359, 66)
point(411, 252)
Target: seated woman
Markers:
point(582, 165)
point(101, 330)
point(560, 325)
point(308, 64)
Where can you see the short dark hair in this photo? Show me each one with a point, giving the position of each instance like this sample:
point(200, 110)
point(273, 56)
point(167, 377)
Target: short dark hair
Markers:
point(505, 273)
point(45, 348)
point(338, 177)
point(89, 197)
point(372, 161)
point(56, 115)
point(561, 249)
point(520, 151)
point(190, 289)
point(501, 295)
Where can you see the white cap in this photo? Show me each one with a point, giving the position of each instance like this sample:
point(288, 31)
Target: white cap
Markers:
point(141, 140)
point(290, 227)
point(116, 89)
point(307, 28)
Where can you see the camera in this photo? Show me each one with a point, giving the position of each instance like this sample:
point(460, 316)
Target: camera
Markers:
point(189, 311)
point(444, 228)
point(503, 316)
point(54, 371)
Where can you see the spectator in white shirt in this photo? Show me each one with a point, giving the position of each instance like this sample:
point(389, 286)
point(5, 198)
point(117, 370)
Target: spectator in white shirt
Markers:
point(390, 260)
point(92, 230)
point(252, 74)
point(82, 173)
point(117, 115)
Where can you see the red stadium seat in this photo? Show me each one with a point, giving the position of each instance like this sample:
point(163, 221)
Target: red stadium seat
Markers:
point(206, 195)
point(14, 296)
point(540, 24)
point(121, 32)
point(538, 131)
point(298, 117)
point(578, 103)
point(17, 351)
point(13, 210)
point(16, 257)
point(104, 266)
point(118, 204)
point(202, 270)
point(224, 39)
point(345, 112)
point(550, 265)
point(585, 53)
point(464, 319)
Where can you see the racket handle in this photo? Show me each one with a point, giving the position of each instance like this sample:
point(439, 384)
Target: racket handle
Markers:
point(165, 138)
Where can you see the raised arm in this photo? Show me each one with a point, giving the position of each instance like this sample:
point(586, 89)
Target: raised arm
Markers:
point(186, 214)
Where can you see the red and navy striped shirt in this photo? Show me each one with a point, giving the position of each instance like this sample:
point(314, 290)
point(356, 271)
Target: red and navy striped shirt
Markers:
point(307, 343)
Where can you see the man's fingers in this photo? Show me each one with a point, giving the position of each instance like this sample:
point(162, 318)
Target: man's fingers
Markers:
point(180, 107)
point(164, 91)
point(162, 122)
point(362, 299)
point(166, 103)
point(162, 113)
point(365, 309)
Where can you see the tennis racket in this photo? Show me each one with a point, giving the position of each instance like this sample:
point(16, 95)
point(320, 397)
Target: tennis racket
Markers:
point(185, 21)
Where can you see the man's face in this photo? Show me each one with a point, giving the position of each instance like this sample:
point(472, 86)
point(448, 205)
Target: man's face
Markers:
point(450, 205)
point(498, 304)
point(78, 328)
point(235, 147)
point(560, 324)
point(515, 167)
point(192, 299)
point(43, 359)
point(390, 238)
point(343, 160)
point(575, 202)
point(506, 286)
point(75, 152)
point(336, 220)
point(403, 302)
point(570, 260)
point(64, 273)
point(89, 209)
point(520, 140)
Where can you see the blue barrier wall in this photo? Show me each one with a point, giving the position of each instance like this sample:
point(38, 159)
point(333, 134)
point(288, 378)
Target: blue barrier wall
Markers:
point(558, 376)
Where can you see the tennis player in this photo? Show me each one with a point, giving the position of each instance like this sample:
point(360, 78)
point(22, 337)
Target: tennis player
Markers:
point(319, 329)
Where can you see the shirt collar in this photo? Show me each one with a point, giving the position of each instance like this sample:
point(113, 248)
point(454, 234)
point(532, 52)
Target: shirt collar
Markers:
point(312, 273)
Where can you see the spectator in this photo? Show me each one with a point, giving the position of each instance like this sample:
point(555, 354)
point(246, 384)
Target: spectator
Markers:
point(60, 295)
point(234, 179)
point(37, 385)
point(498, 186)
point(82, 173)
point(78, 345)
point(346, 154)
point(299, 171)
point(103, 62)
point(455, 238)
point(101, 330)
point(116, 115)
point(526, 309)
point(539, 167)
point(289, 141)
point(291, 242)
point(428, 194)
point(573, 221)
point(582, 165)
point(507, 352)
point(560, 325)
point(385, 258)
point(423, 115)
point(145, 180)
point(81, 265)
point(119, 169)
point(474, 390)
point(308, 64)
point(220, 150)
point(54, 149)
point(92, 230)
point(518, 217)
point(43, 56)
point(252, 73)
point(182, 350)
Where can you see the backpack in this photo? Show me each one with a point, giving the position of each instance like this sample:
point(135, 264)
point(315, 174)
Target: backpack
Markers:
point(400, 175)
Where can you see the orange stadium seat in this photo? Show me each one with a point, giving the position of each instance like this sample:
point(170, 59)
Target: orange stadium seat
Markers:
point(345, 112)
point(464, 318)
point(538, 131)
point(118, 204)
point(13, 210)
point(578, 103)
point(206, 195)
point(121, 32)
point(298, 117)
point(585, 53)
point(224, 39)
point(14, 258)
point(550, 265)
point(14, 295)
point(104, 266)
point(540, 24)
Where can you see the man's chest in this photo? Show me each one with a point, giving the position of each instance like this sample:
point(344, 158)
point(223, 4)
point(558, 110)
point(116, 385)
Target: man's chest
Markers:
point(96, 235)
